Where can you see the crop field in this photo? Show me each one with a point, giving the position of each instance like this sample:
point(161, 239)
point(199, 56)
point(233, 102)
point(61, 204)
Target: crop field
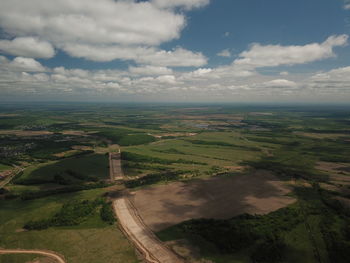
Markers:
point(216, 183)
point(218, 197)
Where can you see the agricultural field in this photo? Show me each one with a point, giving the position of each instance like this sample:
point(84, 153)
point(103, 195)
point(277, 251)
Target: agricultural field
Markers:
point(216, 183)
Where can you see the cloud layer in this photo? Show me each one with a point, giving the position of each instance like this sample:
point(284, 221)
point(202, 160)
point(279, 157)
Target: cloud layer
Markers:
point(106, 31)
point(134, 31)
point(235, 82)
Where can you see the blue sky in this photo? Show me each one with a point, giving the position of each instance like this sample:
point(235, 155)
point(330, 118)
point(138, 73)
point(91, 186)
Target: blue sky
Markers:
point(178, 50)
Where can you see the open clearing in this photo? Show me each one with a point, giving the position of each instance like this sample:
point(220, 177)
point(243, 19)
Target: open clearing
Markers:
point(219, 197)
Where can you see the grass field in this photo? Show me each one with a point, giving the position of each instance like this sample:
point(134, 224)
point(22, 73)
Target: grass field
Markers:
point(93, 165)
point(306, 147)
point(92, 241)
point(4, 167)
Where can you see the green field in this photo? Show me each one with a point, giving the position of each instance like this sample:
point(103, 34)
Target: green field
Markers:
point(91, 241)
point(166, 143)
point(94, 165)
point(4, 167)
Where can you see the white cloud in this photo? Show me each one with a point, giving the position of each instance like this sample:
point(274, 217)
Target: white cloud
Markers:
point(102, 30)
point(187, 4)
point(224, 53)
point(178, 57)
point(275, 55)
point(279, 83)
point(150, 70)
point(167, 79)
point(346, 4)
point(90, 21)
point(27, 47)
point(21, 64)
point(336, 80)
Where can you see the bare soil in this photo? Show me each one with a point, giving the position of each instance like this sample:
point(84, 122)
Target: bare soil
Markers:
point(218, 197)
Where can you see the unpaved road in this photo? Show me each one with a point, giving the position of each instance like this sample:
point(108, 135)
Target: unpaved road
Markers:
point(153, 250)
point(115, 169)
point(148, 244)
point(53, 255)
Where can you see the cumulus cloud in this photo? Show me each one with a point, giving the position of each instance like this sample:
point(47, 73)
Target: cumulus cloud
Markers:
point(224, 53)
point(347, 4)
point(187, 4)
point(102, 30)
point(178, 57)
point(21, 64)
point(27, 47)
point(336, 80)
point(88, 21)
point(275, 55)
point(150, 70)
point(279, 83)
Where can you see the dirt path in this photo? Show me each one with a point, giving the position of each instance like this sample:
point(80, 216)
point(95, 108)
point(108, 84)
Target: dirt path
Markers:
point(115, 169)
point(153, 250)
point(53, 255)
point(146, 242)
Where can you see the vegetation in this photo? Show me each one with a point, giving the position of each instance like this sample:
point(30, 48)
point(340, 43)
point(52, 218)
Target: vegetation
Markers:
point(71, 214)
point(154, 178)
point(107, 214)
point(62, 149)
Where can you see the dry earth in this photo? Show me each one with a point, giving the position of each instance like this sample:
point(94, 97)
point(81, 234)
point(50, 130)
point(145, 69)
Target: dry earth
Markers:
point(219, 197)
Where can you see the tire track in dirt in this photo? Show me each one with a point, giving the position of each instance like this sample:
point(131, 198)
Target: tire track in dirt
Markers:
point(50, 254)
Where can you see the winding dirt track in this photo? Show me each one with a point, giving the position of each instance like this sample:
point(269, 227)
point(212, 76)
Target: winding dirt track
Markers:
point(153, 250)
point(50, 254)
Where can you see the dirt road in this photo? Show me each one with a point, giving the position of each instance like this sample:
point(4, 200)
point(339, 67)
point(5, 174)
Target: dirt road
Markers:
point(115, 169)
point(146, 242)
point(153, 250)
point(53, 255)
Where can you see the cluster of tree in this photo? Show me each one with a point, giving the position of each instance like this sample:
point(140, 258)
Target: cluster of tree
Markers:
point(107, 214)
point(170, 151)
point(74, 213)
point(71, 214)
point(155, 178)
point(144, 166)
point(70, 177)
point(263, 234)
point(219, 143)
point(284, 169)
point(69, 189)
point(67, 177)
point(126, 137)
point(135, 157)
point(334, 220)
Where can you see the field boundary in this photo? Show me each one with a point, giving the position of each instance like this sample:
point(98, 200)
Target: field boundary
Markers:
point(47, 253)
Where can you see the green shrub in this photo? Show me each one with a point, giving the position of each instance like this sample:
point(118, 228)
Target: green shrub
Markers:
point(107, 213)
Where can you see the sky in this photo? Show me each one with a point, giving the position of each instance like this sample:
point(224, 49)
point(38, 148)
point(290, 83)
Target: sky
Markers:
point(175, 50)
